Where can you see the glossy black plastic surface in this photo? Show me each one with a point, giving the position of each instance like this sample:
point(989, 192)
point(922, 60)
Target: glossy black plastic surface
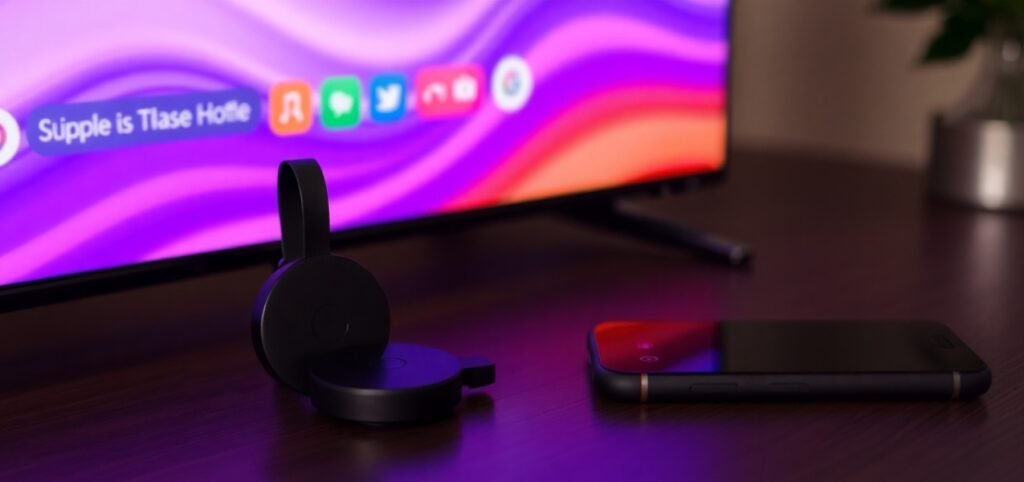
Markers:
point(321, 325)
point(310, 307)
point(408, 383)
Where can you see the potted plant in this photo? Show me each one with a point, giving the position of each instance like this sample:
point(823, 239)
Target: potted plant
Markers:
point(977, 153)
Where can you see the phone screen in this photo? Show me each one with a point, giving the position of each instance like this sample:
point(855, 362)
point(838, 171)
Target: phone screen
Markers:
point(782, 347)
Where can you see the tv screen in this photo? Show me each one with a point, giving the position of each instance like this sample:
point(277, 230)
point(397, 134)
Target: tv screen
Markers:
point(139, 131)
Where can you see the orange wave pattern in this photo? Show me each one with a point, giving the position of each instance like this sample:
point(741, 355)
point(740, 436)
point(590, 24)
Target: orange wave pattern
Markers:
point(631, 135)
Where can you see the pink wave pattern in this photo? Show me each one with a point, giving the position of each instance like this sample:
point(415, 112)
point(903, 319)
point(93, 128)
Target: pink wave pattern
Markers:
point(563, 47)
point(580, 53)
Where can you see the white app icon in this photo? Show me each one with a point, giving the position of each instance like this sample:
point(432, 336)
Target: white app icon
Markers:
point(340, 103)
point(389, 98)
point(511, 83)
point(291, 108)
point(465, 89)
point(10, 137)
point(435, 92)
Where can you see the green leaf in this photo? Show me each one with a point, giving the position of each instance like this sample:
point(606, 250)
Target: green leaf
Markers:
point(910, 5)
point(1011, 9)
point(1007, 16)
point(958, 33)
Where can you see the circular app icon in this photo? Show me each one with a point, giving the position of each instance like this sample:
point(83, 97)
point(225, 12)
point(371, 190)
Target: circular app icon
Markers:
point(10, 137)
point(511, 83)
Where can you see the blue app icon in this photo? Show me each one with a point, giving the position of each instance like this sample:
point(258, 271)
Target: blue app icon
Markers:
point(388, 97)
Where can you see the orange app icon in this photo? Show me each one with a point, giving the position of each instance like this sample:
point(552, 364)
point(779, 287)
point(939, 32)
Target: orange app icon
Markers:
point(291, 108)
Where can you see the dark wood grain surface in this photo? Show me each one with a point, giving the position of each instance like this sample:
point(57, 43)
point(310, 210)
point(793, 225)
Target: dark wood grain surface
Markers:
point(162, 383)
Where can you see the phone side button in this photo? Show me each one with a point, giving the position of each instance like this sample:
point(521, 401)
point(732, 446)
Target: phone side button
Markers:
point(714, 388)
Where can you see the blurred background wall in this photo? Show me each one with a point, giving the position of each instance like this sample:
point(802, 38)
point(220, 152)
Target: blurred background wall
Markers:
point(841, 78)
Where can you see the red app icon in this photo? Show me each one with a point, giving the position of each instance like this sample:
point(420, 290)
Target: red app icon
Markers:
point(448, 91)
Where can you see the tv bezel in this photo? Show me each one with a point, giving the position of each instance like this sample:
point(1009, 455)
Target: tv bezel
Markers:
point(29, 294)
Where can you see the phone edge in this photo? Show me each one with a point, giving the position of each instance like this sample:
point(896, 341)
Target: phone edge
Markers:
point(644, 387)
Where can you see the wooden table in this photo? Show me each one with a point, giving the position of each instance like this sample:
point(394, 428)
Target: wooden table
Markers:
point(162, 382)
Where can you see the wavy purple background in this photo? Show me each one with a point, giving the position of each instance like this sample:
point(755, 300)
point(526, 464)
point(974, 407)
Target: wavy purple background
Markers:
point(103, 209)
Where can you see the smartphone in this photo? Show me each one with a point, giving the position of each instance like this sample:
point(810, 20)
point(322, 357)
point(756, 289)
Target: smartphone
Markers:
point(755, 360)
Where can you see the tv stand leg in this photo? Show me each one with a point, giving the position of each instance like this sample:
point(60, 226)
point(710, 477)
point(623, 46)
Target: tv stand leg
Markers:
point(623, 218)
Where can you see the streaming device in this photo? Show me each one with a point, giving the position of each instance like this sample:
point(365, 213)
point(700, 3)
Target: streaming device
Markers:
point(321, 325)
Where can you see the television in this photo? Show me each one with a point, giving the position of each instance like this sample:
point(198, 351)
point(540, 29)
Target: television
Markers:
point(139, 140)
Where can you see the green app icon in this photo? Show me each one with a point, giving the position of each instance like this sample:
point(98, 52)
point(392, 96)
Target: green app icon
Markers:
point(340, 102)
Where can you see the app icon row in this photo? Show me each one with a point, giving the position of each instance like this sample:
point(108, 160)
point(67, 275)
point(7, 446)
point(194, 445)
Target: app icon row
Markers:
point(436, 92)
